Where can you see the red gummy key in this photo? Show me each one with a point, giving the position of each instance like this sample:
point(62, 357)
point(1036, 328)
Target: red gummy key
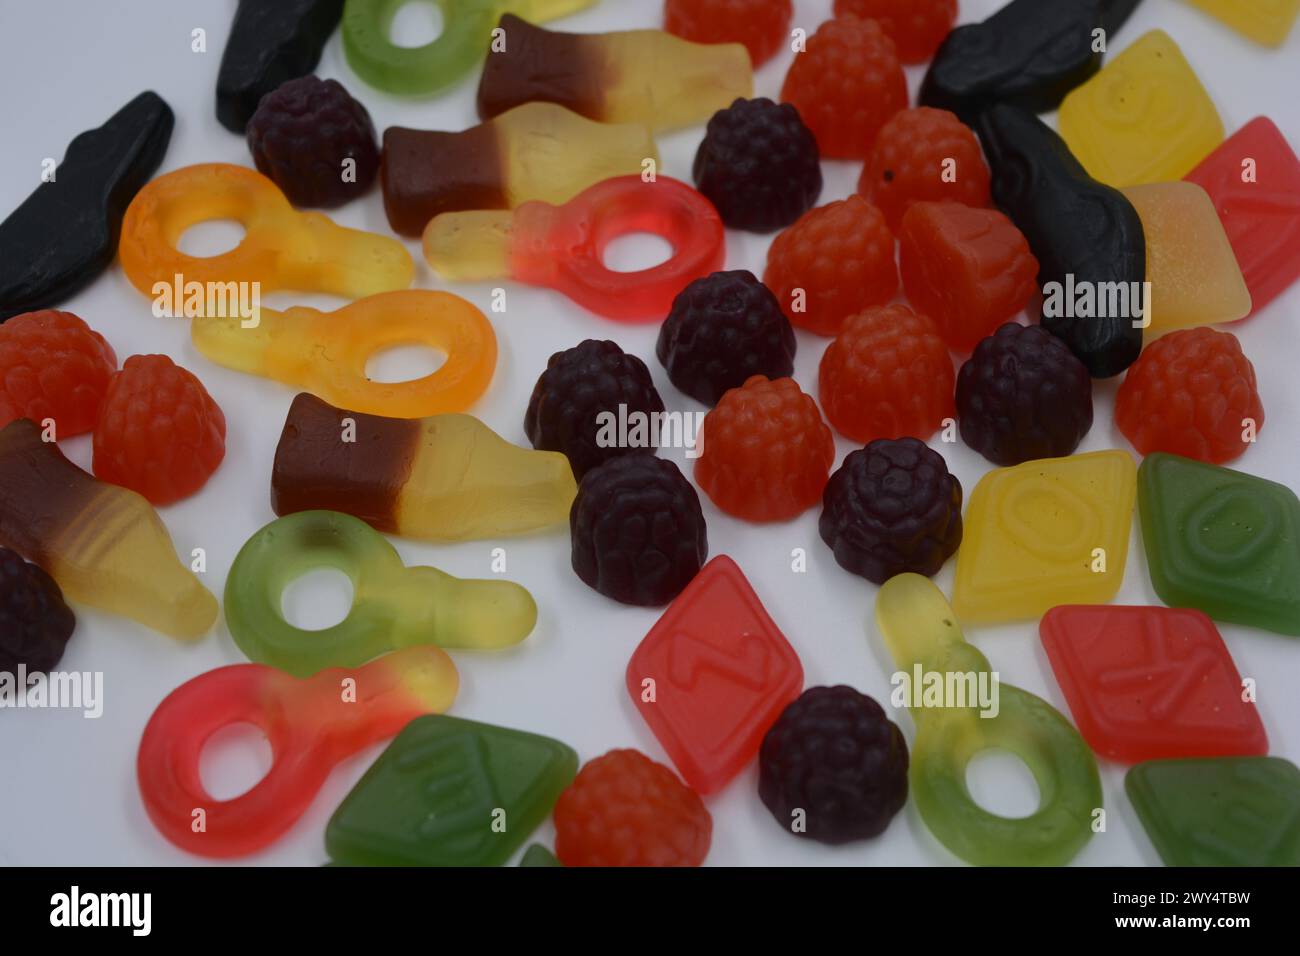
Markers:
point(845, 85)
point(835, 261)
point(722, 674)
point(761, 25)
point(924, 154)
point(1191, 393)
point(1149, 683)
point(968, 269)
point(623, 809)
point(160, 433)
point(1261, 218)
point(765, 452)
point(888, 374)
point(53, 366)
point(917, 27)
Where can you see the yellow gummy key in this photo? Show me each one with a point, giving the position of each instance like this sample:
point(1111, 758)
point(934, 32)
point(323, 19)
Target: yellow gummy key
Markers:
point(1145, 118)
point(1047, 532)
point(1264, 21)
point(1194, 276)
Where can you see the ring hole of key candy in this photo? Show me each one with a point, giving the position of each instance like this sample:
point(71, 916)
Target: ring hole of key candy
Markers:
point(318, 549)
point(211, 237)
point(318, 599)
point(1002, 784)
point(636, 252)
point(416, 23)
point(404, 363)
point(235, 759)
point(619, 215)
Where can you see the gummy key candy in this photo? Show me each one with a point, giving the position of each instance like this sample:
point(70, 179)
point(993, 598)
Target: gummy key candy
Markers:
point(1147, 683)
point(429, 69)
point(968, 269)
point(761, 25)
point(444, 478)
point(1194, 276)
point(834, 763)
point(917, 27)
point(712, 675)
point(631, 76)
point(538, 855)
point(104, 545)
point(35, 622)
point(623, 809)
point(1221, 541)
point(65, 233)
point(924, 637)
point(1254, 181)
point(270, 42)
point(1267, 22)
point(53, 366)
point(534, 151)
point(450, 792)
point(765, 452)
point(326, 352)
point(1048, 532)
point(1191, 393)
point(1219, 811)
point(562, 247)
point(310, 724)
point(892, 507)
point(281, 249)
point(1029, 53)
point(393, 606)
point(1085, 235)
point(1145, 118)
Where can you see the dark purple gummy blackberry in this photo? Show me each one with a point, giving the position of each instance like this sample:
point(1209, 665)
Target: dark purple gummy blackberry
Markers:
point(302, 133)
point(722, 329)
point(564, 412)
point(836, 756)
point(1022, 395)
point(758, 165)
point(892, 507)
point(637, 530)
point(35, 623)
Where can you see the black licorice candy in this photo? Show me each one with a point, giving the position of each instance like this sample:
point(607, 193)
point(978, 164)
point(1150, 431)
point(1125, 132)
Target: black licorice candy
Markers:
point(271, 41)
point(1086, 235)
point(65, 233)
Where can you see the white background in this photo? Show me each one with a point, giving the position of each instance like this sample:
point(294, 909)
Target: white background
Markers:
point(67, 785)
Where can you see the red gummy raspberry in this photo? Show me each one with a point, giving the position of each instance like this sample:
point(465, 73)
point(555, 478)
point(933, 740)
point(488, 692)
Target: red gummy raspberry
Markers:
point(835, 260)
point(159, 432)
point(1190, 393)
point(766, 451)
point(761, 25)
point(845, 85)
point(888, 374)
point(924, 154)
point(53, 365)
point(623, 809)
point(968, 269)
point(917, 27)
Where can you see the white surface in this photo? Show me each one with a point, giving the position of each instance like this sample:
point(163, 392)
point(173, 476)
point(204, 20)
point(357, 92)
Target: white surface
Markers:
point(67, 785)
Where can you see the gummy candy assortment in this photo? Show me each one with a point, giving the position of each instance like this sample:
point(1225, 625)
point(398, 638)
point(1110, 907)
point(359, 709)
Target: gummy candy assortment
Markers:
point(1125, 232)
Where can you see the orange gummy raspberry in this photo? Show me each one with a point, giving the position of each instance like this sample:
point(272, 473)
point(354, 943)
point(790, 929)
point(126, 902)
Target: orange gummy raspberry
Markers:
point(761, 25)
point(766, 451)
point(53, 366)
point(888, 374)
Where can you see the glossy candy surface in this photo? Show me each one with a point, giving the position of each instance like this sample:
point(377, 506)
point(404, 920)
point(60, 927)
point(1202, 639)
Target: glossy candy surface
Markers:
point(443, 478)
point(1264, 21)
point(281, 249)
point(1254, 181)
point(1146, 683)
point(327, 352)
point(104, 545)
point(65, 233)
point(431, 68)
point(562, 247)
point(1079, 230)
point(1047, 532)
point(450, 792)
point(393, 606)
point(311, 725)
point(924, 636)
point(721, 672)
point(1145, 118)
point(630, 76)
point(534, 151)
point(1220, 811)
point(1222, 541)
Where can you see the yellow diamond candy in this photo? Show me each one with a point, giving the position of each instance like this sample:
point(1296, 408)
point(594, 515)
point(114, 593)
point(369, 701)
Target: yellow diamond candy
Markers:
point(1264, 21)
